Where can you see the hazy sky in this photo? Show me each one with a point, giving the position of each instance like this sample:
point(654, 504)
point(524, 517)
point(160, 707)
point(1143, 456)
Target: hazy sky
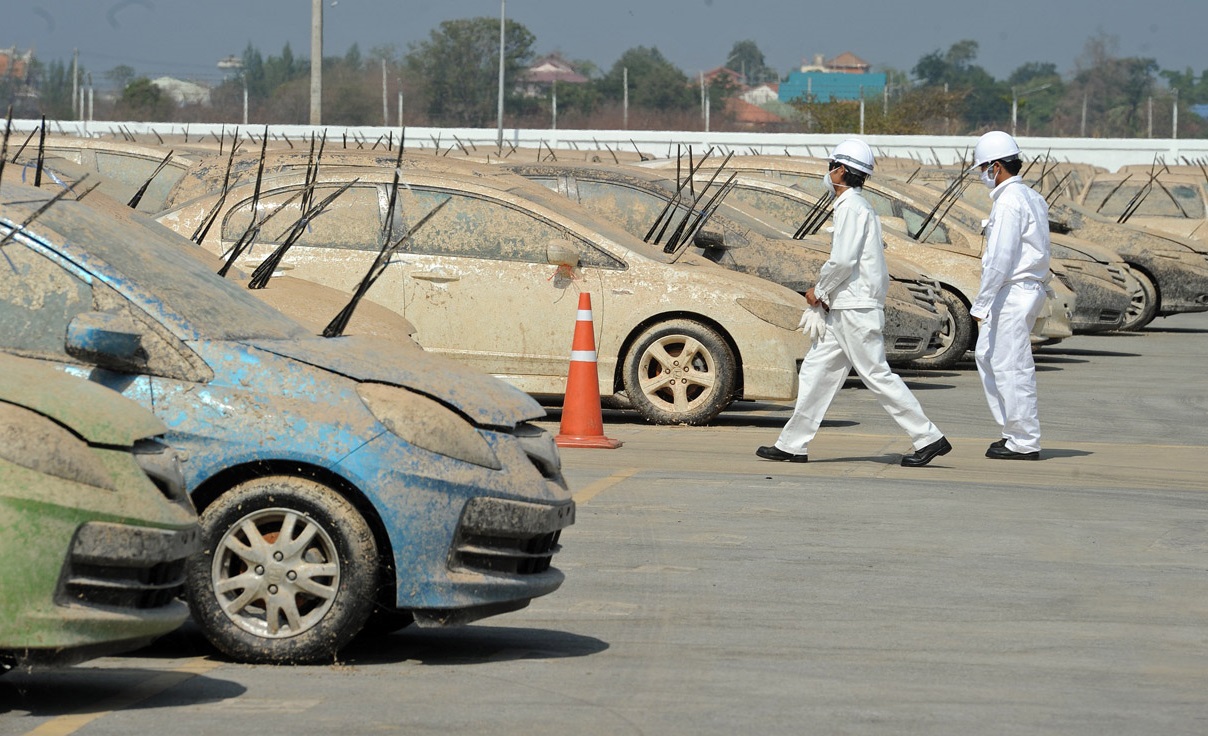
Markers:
point(186, 38)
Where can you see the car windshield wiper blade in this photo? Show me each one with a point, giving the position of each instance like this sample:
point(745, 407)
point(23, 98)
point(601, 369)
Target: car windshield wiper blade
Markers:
point(339, 323)
point(138, 196)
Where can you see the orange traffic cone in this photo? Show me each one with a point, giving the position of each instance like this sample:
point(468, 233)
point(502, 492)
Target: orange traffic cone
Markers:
point(582, 423)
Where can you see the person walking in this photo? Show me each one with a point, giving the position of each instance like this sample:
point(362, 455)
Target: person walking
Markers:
point(851, 290)
point(1015, 271)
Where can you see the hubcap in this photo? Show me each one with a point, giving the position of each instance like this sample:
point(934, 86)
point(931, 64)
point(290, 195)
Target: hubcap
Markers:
point(677, 373)
point(276, 573)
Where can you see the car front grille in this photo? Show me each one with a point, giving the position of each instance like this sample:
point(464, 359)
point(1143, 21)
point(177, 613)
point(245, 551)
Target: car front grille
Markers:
point(121, 566)
point(513, 537)
point(925, 293)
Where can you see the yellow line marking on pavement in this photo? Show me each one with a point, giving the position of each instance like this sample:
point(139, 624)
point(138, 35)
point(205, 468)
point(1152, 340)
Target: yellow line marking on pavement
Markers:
point(592, 490)
point(149, 688)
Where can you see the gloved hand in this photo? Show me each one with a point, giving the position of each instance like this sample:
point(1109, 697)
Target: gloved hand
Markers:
point(813, 324)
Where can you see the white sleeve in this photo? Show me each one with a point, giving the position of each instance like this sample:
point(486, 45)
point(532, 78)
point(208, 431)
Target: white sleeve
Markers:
point(1004, 242)
point(850, 227)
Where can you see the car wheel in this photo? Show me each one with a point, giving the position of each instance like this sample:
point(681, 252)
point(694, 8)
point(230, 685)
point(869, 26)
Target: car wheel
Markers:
point(287, 571)
point(955, 336)
point(1144, 305)
point(680, 372)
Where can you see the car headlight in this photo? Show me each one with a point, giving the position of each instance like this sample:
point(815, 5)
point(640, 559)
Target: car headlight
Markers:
point(780, 315)
point(427, 423)
point(33, 441)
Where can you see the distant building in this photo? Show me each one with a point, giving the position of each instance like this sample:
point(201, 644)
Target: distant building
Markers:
point(544, 72)
point(845, 77)
point(15, 64)
point(753, 117)
point(762, 94)
point(182, 92)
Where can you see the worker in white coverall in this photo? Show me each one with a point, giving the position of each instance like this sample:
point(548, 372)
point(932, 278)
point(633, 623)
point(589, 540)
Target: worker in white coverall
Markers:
point(851, 289)
point(1015, 269)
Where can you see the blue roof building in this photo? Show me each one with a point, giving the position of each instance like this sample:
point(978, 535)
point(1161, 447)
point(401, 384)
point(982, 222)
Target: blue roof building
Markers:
point(825, 86)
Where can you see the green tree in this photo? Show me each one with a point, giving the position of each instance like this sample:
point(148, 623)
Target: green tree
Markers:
point(1191, 90)
point(1114, 91)
point(746, 58)
point(1038, 90)
point(985, 102)
point(458, 68)
point(142, 100)
point(654, 82)
point(120, 76)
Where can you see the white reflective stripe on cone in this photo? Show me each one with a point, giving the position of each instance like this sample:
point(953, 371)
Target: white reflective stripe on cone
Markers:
point(583, 356)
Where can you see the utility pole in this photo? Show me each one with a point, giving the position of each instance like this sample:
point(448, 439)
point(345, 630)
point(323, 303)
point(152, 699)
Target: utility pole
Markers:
point(385, 109)
point(502, 15)
point(625, 98)
point(316, 62)
point(555, 105)
point(1174, 116)
point(75, 83)
point(1082, 129)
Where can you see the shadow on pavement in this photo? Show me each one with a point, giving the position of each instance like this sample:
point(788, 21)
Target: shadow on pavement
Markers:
point(469, 645)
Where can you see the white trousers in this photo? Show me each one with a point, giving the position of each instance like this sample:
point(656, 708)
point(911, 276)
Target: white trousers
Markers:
point(853, 339)
point(1004, 360)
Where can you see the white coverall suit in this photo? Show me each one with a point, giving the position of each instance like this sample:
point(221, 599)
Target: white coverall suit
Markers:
point(852, 283)
point(1015, 268)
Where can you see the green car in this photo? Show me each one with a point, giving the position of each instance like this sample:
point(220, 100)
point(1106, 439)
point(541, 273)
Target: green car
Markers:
point(95, 524)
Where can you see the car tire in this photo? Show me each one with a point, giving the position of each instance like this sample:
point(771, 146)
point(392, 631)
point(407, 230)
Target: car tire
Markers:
point(1144, 305)
point(956, 335)
point(271, 537)
point(680, 372)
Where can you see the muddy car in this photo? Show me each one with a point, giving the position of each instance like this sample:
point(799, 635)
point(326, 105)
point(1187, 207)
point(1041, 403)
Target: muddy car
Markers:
point(1171, 273)
point(1174, 203)
point(492, 280)
point(336, 478)
point(739, 241)
point(130, 173)
point(95, 525)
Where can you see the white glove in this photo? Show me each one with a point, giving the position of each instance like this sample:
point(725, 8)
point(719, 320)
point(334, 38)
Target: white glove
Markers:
point(813, 324)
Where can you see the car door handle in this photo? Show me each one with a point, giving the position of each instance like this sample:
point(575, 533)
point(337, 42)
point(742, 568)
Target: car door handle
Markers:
point(435, 277)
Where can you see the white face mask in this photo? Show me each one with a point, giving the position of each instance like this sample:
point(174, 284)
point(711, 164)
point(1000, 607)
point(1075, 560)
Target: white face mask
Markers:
point(987, 177)
point(830, 182)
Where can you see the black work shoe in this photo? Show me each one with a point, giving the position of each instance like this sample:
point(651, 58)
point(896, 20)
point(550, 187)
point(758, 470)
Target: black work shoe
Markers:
point(1002, 453)
point(921, 457)
point(999, 443)
point(775, 453)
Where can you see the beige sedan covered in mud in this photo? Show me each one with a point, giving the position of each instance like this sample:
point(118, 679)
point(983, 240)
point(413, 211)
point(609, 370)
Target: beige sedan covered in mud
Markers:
point(492, 279)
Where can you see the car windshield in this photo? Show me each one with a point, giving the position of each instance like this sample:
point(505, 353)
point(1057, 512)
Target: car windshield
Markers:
point(157, 261)
point(1157, 200)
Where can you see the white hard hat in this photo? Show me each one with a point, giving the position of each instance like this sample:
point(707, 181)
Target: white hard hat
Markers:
point(994, 146)
point(854, 154)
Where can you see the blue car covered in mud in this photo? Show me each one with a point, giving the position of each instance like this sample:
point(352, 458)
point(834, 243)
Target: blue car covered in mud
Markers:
point(339, 480)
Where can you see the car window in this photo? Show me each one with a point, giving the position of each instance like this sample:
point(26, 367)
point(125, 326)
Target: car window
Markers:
point(352, 220)
point(136, 170)
point(1157, 203)
point(38, 298)
point(473, 227)
point(935, 232)
point(633, 209)
point(787, 211)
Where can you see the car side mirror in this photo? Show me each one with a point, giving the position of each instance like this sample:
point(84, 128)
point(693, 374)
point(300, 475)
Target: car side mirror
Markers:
point(710, 239)
point(561, 253)
point(107, 340)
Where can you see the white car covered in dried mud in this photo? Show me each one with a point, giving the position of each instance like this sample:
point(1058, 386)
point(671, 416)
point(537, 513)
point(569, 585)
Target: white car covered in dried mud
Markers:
point(492, 280)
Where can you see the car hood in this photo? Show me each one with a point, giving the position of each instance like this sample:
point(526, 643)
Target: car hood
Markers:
point(484, 400)
point(99, 415)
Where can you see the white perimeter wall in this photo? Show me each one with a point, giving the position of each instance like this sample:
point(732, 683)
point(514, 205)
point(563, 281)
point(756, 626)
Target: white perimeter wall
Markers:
point(1110, 153)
